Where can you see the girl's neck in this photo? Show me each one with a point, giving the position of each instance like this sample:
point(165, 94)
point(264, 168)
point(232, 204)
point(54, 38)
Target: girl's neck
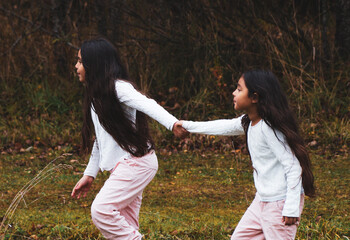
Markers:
point(254, 117)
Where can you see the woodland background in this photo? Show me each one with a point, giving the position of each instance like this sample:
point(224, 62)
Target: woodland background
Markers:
point(187, 55)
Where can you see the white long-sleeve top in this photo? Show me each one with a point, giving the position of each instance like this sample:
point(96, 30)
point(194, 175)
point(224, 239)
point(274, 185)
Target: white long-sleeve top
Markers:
point(106, 152)
point(277, 172)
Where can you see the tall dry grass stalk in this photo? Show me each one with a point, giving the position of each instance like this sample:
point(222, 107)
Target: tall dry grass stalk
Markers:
point(49, 170)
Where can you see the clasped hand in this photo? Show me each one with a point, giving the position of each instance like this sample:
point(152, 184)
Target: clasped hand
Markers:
point(179, 131)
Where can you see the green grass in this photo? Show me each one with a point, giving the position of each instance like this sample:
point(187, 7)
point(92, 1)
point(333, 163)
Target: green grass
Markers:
point(195, 195)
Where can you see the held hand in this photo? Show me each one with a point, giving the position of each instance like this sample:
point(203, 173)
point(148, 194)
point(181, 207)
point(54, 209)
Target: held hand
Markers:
point(290, 220)
point(179, 131)
point(82, 187)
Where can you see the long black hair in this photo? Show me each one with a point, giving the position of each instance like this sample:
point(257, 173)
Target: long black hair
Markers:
point(274, 109)
point(103, 67)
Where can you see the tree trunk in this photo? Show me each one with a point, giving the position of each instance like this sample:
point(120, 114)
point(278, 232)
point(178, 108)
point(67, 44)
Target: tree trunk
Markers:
point(324, 30)
point(342, 35)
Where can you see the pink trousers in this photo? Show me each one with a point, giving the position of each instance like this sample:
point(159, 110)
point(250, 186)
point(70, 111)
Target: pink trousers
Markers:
point(115, 210)
point(263, 220)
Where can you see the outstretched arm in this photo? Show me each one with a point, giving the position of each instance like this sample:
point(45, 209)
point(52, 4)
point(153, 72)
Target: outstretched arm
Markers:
point(130, 97)
point(225, 127)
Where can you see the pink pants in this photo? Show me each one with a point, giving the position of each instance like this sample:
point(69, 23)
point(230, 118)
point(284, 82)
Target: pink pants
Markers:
point(115, 210)
point(263, 220)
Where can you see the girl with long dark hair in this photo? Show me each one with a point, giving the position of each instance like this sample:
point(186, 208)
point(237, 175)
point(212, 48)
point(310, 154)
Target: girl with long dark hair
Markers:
point(115, 112)
point(282, 168)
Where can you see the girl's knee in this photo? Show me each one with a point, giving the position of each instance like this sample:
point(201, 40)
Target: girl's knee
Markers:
point(94, 210)
point(98, 211)
point(102, 211)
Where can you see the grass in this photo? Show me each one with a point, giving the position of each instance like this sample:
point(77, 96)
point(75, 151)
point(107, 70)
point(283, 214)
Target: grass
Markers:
point(195, 195)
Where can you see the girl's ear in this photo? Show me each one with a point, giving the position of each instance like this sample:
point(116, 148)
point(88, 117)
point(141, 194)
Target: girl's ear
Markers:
point(255, 98)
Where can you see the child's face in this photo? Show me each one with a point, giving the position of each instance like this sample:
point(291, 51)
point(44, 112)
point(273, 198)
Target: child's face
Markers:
point(241, 100)
point(80, 68)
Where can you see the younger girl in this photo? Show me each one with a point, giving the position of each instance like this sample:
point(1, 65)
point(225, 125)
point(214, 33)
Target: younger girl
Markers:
point(282, 169)
point(122, 143)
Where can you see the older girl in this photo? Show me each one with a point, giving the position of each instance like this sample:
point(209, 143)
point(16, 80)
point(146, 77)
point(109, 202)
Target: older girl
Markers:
point(122, 142)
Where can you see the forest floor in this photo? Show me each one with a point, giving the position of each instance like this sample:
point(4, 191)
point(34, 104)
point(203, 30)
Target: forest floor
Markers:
point(195, 195)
